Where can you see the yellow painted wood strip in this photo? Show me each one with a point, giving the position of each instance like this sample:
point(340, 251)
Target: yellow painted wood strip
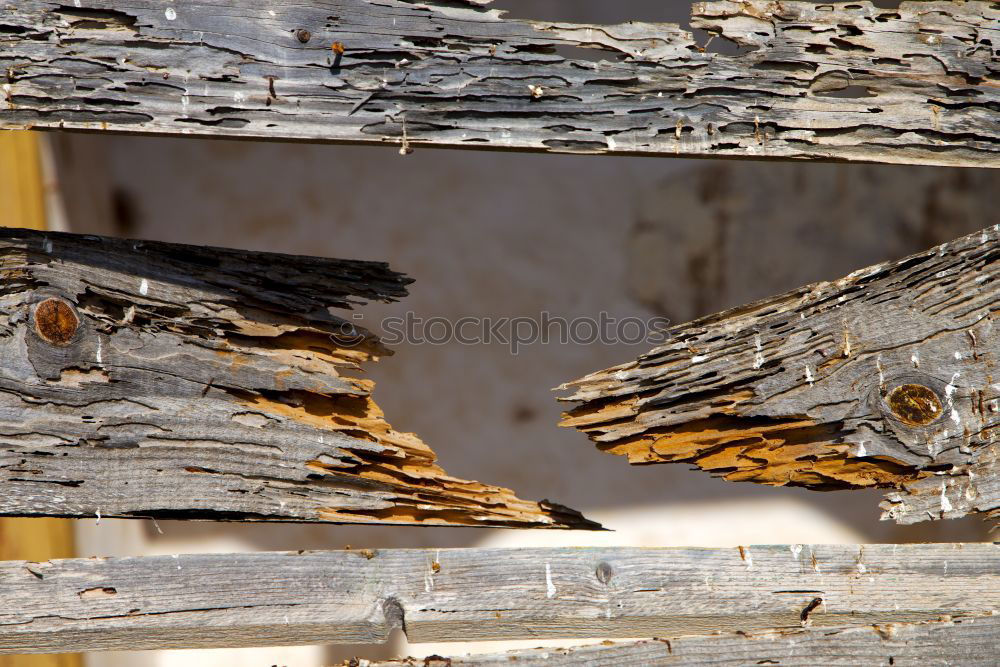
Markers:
point(22, 204)
point(22, 193)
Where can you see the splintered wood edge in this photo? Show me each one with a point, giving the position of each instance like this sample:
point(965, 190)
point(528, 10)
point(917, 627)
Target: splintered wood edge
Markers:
point(362, 596)
point(844, 81)
point(854, 383)
point(147, 379)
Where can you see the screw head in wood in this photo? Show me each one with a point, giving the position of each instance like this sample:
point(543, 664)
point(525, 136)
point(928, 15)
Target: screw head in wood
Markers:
point(914, 404)
point(56, 322)
point(303, 35)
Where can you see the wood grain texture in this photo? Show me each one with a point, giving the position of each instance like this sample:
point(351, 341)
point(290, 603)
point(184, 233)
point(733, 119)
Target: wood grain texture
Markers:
point(22, 190)
point(154, 379)
point(835, 81)
point(965, 641)
point(467, 594)
point(815, 387)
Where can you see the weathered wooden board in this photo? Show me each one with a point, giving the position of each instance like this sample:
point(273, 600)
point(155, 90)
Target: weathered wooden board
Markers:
point(884, 378)
point(834, 81)
point(153, 379)
point(466, 594)
point(964, 641)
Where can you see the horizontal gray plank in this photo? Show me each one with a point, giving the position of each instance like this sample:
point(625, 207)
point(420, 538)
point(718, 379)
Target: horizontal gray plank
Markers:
point(155, 379)
point(836, 81)
point(466, 594)
point(967, 641)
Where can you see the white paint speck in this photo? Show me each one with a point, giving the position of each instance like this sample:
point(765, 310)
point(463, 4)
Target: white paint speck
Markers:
point(915, 360)
point(550, 589)
point(76, 3)
point(170, 13)
point(949, 391)
point(611, 143)
point(698, 358)
point(881, 373)
point(748, 557)
point(143, 287)
point(429, 578)
point(945, 503)
point(861, 449)
point(861, 568)
point(796, 549)
point(809, 376)
point(955, 417)
point(958, 355)
point(758, 359)
point(271, 12)
point(99, 360)
point(98, 522)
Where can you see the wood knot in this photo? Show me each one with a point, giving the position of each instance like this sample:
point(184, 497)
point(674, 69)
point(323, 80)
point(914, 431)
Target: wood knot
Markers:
point(914, 404)
point(56, 322)
point(395, 616)
point(604, 572)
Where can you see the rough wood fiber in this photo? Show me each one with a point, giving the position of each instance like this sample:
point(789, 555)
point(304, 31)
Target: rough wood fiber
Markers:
point(965, 641)
point(885, 378)
point(835, 81)
point(464, 594)
point(154, 379)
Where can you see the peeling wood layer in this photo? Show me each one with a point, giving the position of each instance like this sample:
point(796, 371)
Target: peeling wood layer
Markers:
point(834, 81)
point(885, 378)
point(482, 594)
point(965, 640)
point(154, 379)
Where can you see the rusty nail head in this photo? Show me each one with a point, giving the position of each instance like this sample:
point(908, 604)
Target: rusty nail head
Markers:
point(56, 322)
point(914, 404)
point(303, 35)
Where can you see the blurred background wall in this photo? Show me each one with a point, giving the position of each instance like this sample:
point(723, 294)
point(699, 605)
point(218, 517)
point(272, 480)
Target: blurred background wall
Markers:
point(497, 234)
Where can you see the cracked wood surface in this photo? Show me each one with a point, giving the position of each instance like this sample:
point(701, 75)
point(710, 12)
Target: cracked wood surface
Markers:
point(466, 594)
point(966, 640)
point(884, 378)
point(154, 379)
point(836, 81)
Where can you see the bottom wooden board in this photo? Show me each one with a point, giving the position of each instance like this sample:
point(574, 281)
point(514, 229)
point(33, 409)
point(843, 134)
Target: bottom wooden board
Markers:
point(361, 596)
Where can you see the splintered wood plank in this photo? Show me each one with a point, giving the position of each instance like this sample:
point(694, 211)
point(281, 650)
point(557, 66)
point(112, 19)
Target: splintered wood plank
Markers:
point(966, 640)
point(471, 594)
point(884, 379)
point(163, 380)
point(834, 81)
